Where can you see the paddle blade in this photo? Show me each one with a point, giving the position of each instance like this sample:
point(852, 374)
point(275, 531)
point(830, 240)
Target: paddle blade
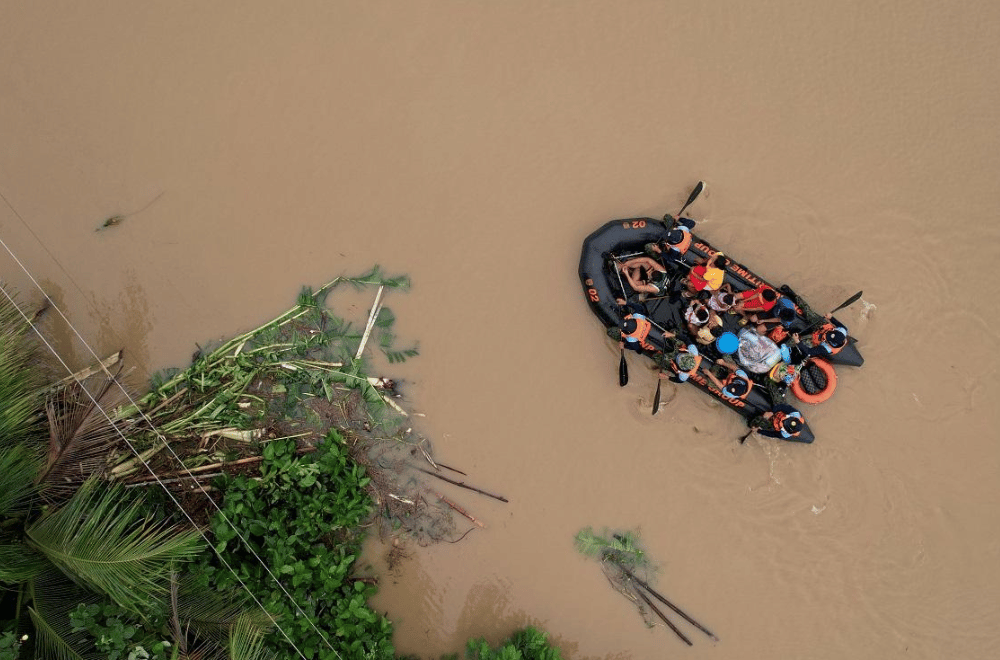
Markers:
point(623, 371)
point(693, 196)
point(850, 301)
point(656, 399)
point(744, 438)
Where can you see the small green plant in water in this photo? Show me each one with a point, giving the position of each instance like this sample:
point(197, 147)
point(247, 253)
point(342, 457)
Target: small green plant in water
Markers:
point(620, 548)
point(527, 644)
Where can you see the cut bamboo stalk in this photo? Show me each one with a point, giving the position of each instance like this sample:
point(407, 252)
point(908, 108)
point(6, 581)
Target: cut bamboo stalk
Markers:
point(235, 434)
point(376, 306)
point(130, 466)
point(459, 509)
point(213, 466)
point(392, 404)
point(103, 365)
point(174, 480)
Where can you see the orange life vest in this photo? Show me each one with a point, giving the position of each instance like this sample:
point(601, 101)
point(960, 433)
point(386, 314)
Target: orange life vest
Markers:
point(732, 377)
point(778, 421)
point(642, 328)
point(819, 338)
point(685, 243)
point(692, 370)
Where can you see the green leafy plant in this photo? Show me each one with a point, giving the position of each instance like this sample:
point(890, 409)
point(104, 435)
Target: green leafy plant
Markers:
point(621, 548)
point(116, 635)
point(301, 517)
point(526, 644)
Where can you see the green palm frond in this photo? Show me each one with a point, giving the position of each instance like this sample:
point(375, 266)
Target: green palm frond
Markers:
point(105, 542)
point(20, 394)
point(210, 614)
point(19, 563)
point(53, 597)
point(618, 547)
point(80, 435)
point(18, 469)
point(246, 640)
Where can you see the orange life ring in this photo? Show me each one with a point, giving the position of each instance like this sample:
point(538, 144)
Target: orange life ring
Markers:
point(831, 382)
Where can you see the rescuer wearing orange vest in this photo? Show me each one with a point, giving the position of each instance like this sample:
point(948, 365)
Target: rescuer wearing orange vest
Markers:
point(783, 421)
point(829, 339)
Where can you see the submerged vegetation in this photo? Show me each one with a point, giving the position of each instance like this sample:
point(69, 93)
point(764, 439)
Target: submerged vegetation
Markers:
point(95, 565)
point(221, 514)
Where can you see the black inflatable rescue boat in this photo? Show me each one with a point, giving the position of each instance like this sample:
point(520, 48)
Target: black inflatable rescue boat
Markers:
point(807, 366)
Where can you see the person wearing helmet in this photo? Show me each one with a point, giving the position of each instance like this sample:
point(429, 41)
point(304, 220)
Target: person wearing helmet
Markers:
point(633, 330)
point(685, 363)
point(782, 421)
point(675, 243)
point(734, 382)
point(829, 339)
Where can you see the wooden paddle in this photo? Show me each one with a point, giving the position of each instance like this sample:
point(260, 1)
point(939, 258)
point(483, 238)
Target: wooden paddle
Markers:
point(693, 196)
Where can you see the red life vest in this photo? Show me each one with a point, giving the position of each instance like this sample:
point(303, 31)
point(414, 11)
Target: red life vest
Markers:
point(754, 300)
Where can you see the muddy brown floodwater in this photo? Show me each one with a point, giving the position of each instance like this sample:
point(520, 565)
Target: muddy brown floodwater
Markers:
point(846, 146)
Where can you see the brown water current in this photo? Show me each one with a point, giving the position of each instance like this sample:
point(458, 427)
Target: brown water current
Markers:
point(254, 147)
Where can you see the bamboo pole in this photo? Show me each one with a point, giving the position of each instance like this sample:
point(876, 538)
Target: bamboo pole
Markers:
point(663, 617)
point(376, 307)
point(666, 602)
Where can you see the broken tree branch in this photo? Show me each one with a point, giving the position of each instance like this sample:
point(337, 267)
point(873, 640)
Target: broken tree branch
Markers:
point(464, 485)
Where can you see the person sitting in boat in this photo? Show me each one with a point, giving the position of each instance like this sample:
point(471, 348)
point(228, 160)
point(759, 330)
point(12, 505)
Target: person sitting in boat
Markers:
point(709, 332)
point(761, 299)
point(708, 275)
point(782, 421)
point(696, 314)
point(645, 275)
point(722, 300)
point(734, 384)
point(829, 339)
point(675, 244)
point(775, 323)
point(780, 377)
